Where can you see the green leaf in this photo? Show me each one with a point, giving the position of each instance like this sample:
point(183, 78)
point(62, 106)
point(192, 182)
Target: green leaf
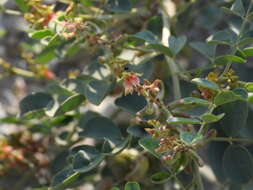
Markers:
point(160, 177)
point(182, 162)
point(222, 60)
point(86, 3)
point(64, 178)
point(76, 85)
point(155, 24)
point(2, 32)
point(194, 101)
point(119, 5)
point(86, 117)
point(40, 188)
point(225, 97)
point(247, 131)
point(250, 15)
point(146, 36)
point(96, 91)
point(211, 118)
point(132, 186)
point(241, 93)
point(222, 37)
point(238, 8)
point(235, 118)
point(22, 4)
point(11, 120)
point(131, 103)
point(182, 120)
point(176, 44)
point(34, 114)
point(205, 83)
point(189, 138)
point(59, 90)
point(112, 148)
point(249, 86)
point(87, 159)
point(38, 128)
point(136, 131)
point(238, 164)
point(209, 16)
point(35, 102)
point(240, 53)
point(246, 38)
point(41, 34)
point(101, 128)
point(115, 188)
point(45, 56)
point(248, 51)
point(145, 67)
point(70, 104)
point(229, 11)
point(205, 49)
point(161, 48)
point(73, 50)
point(54, 40)
point(215, 152)
point(250, 99)
point(150, 145)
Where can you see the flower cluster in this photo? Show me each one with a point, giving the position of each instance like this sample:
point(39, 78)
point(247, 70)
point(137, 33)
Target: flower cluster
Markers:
point(131, 83)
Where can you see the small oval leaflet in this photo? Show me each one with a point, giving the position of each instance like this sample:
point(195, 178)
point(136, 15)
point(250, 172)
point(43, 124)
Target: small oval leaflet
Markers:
point(238, 164)
point(160, 177)
point(182, 120)
point(205, 84)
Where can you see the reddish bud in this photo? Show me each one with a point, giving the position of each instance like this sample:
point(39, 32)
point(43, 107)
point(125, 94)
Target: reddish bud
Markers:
point(49, 74)
point(48, 18)
point(130, 83)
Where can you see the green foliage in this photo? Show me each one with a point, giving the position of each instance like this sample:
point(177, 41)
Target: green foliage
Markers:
point(132, 186)
point(225, 97)
point(211, 118)
point(70, 103)
point(176, 44)
point(194, 101)
point(238, 164)
point(131, 103)
point(205, 84)
point(228, 58)
point(188, 138)
point(130, 62)
point(96, 91)
point(235, 118)
point(30, 107)
point(22, 5)
point(160, 177)
point(41, 34)
point(150, 145)
point(86, 159)
point(181, 120)
point(205, 49)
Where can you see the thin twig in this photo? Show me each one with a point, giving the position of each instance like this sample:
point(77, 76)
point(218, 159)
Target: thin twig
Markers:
point(172, 66)
point(230, 139)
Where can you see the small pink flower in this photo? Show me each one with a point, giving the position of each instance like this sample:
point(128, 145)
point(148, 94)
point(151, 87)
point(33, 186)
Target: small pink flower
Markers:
point(130, 83)
point(70, 26)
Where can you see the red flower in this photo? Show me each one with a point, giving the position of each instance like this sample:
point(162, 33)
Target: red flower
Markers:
point(49, 74)
point(48, 18)
point(130, 83)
